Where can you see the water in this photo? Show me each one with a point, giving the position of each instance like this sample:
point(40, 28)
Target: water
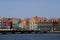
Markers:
point(29, 36)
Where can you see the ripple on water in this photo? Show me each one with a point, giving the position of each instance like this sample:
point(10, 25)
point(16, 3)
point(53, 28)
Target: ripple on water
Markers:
point(30, 37)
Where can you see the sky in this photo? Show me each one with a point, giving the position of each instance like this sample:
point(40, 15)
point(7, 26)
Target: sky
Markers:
point(30, 8)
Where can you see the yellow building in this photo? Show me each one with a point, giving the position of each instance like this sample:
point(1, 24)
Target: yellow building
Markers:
point(32, 24)
point(23, 24)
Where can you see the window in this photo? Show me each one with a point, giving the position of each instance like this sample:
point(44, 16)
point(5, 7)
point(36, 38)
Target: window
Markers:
point(9, 19)
point(44, 20)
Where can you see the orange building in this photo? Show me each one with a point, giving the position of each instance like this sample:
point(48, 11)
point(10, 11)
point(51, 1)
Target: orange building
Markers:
point(36, 18)
point(23, 24)
point(42, 19)
point(46, 19)
point(7, 22)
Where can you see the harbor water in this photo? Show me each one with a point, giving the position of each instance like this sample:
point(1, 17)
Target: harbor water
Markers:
point(44, 36)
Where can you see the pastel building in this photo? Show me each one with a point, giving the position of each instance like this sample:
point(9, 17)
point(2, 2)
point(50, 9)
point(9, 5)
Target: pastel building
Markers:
point(23, 24)
point(33, 23)
point(11, 23)
point(27, 20)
